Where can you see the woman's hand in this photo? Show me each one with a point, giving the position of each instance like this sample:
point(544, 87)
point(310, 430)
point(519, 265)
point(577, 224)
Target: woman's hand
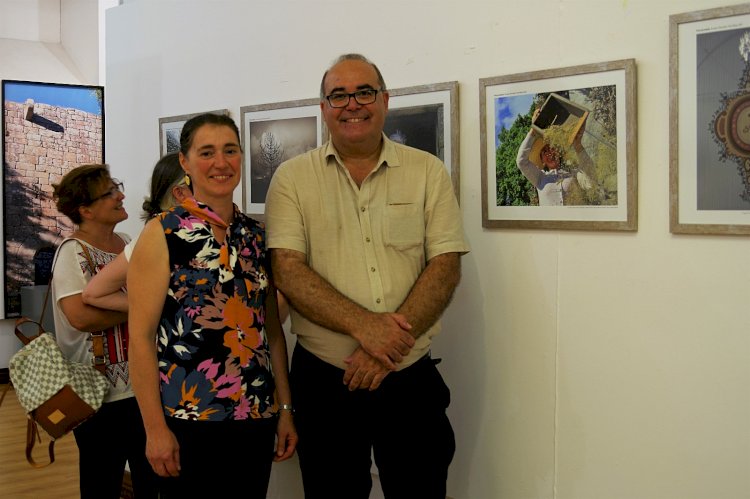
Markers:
point(286, 437)
point(163, 453)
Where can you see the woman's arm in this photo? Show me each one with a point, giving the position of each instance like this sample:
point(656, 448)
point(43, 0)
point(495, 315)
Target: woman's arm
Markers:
point(88, 318)
point(148, 281)
point(285, 431)
point(104, 290)
point(68, 282)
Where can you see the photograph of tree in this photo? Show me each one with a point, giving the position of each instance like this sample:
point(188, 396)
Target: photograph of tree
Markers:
point(273, 133)
point(558, 148)
point(271, 143)
point(49, 129)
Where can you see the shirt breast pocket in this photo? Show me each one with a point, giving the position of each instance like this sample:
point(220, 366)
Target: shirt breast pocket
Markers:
point(404, 226)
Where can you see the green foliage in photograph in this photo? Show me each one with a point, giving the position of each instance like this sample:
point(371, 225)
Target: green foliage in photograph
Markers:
point(513, 189)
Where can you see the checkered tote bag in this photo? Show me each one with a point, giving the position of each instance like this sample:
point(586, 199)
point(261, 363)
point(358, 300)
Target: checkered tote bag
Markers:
point(56, 393)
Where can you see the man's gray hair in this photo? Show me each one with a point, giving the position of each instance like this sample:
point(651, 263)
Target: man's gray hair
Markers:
point(351, 57)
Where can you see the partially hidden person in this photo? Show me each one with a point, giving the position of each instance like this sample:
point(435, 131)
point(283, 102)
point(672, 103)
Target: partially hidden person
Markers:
point(93, 201)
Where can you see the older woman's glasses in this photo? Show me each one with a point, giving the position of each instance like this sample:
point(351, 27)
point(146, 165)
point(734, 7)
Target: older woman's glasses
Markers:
point(363, 97)
point(116, 188)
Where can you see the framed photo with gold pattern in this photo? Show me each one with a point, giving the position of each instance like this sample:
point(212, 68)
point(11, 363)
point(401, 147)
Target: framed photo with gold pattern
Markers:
point(709, 146)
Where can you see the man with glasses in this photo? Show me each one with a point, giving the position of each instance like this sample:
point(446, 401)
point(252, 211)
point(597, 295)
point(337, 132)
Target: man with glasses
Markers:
point(366, 240)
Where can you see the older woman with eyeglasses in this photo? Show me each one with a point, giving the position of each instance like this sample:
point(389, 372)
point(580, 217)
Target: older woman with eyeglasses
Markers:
point(92, 200)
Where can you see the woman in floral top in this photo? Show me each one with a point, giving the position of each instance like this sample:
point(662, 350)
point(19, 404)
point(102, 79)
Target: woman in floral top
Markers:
point(208, 356)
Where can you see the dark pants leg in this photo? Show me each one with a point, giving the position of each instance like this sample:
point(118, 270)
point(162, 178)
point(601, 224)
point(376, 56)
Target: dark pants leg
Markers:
point(333, 427)
point(105, 442)
point(222, 459)
point(415, 442)
point(404, 420)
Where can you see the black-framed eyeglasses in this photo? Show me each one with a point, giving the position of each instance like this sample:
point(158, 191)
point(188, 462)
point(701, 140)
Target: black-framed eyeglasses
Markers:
point(363, 97)
point(116, 188)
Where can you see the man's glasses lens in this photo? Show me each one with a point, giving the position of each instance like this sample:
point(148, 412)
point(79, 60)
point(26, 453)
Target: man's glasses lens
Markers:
point(363, 97)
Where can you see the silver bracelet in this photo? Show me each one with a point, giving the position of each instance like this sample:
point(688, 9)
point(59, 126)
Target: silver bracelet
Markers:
point(286, 407)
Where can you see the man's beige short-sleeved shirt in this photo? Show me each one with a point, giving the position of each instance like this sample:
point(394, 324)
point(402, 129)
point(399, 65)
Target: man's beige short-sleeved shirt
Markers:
point(371, 242)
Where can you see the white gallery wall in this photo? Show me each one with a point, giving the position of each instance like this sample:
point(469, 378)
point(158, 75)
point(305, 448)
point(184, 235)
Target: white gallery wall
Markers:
point(582, 364)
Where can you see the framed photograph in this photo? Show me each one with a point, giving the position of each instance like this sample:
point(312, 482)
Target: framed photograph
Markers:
point(273, 133)
point(709, 146)
point(170, 128)
point(48, 129)
point(426, 117)
point(558, 148)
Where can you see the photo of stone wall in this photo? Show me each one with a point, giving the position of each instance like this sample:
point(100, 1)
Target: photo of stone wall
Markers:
point(42, 142)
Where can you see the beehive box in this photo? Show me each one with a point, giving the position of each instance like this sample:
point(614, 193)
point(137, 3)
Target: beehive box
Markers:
point(557, 110)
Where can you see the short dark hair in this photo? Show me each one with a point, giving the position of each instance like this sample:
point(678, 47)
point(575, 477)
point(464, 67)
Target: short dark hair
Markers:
point(351, 57)
point(167, 175)
point(79, 188)
point(193, 124)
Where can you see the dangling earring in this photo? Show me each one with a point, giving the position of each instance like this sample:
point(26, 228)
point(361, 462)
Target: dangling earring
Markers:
point(187, 180)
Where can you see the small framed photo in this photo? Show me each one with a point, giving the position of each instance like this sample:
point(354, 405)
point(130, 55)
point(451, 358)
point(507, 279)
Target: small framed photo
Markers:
point(170, 128)
point(273, 133)
point(558, 148)
point(426, 117)
point(49, 129)
point(709, 146)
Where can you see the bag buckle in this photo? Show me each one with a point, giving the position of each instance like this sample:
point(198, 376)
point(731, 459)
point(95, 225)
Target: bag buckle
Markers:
point(99, 359)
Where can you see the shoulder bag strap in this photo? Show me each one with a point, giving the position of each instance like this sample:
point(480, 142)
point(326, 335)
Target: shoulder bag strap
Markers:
point(19, 334)
point(97, 337)
point(32, 436)
point(32, 432)
point(5, 391)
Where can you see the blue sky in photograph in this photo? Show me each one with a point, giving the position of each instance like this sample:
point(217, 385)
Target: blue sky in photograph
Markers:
point(75, 97)
point(507, 110)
